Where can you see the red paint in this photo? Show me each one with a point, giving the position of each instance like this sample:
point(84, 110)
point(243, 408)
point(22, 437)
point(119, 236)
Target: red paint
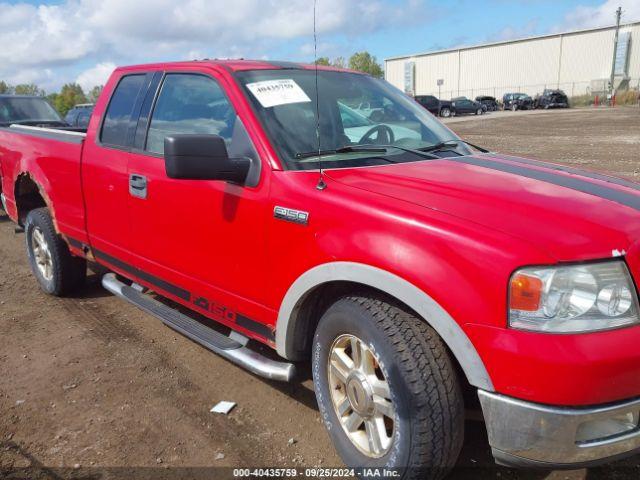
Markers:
point(454, 230)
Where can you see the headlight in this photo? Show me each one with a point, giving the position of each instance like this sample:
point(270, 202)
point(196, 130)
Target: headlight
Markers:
point(573, 299)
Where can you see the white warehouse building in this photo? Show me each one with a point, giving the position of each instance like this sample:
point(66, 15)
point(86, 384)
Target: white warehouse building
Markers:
point(578, 62)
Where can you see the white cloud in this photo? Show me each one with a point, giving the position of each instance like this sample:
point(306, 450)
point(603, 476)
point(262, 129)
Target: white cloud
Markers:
point(512, 33)
point(95, 76)
point(603, 15)
point(323, 49)
point(39, 37)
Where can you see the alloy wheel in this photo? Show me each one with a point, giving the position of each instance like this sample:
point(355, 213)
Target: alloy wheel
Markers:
point(42, 254)
point(361, 396)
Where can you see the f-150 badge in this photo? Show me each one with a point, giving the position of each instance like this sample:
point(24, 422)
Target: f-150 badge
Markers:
point(291, 215)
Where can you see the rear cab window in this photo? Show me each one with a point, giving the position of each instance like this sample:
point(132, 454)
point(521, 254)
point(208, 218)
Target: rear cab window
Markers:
point(118, 119)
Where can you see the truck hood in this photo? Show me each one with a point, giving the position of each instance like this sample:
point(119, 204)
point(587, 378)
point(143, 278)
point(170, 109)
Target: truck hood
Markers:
point(568, 213)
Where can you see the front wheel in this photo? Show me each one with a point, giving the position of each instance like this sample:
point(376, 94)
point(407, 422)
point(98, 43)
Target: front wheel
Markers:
point(387, 390)
point(445, 112)
point(56, 270)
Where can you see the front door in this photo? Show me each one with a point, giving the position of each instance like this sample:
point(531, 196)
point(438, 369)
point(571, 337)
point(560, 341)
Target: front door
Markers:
point(204, 239)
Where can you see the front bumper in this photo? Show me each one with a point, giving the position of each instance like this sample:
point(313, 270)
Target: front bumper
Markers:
point(528, 434)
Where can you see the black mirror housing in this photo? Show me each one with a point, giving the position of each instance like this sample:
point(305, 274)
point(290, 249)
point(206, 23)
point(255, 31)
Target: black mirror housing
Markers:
point(202, 157)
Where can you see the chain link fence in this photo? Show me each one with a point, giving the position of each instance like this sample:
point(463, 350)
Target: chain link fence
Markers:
point(579, 93)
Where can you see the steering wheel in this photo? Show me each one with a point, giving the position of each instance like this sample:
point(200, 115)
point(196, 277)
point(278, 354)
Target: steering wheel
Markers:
point(385, 135)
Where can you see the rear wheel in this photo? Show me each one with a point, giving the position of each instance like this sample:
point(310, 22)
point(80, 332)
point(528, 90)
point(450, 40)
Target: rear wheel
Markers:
point(445, 112)
point(56, 270)
point(3, 205)
point(387, 390)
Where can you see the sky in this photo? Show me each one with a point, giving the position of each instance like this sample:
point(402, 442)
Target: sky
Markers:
point(50, 43)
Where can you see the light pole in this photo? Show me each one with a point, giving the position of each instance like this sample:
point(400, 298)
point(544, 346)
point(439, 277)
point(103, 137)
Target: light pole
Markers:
point(615, 52)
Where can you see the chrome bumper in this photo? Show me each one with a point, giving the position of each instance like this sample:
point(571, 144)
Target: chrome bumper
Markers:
point(529, 434)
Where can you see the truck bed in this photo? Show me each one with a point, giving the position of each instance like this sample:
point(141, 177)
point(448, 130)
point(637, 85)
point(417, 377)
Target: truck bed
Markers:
point(51, 156)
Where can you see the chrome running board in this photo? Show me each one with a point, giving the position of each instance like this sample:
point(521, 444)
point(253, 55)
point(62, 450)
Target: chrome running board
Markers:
point(209, 338)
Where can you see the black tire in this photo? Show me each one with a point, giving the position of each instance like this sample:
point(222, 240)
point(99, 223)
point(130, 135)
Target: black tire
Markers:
point(423, 384)
point(68, 272)
point(445, 112)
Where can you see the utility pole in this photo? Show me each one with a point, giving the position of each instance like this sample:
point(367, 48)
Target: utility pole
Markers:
point(615, 51)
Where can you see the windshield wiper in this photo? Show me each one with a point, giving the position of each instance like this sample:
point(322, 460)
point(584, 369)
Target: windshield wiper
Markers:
point(345, 149)
point(384, 148)
point(450, 143)
point(366, 148)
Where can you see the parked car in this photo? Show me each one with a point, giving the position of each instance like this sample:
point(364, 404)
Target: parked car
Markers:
point(552, 99)
point(28, 110)
point(462, 105)
point(79, 115)
point(489, 104)
point(406, 269)
point(435, 106)
point(517, 101)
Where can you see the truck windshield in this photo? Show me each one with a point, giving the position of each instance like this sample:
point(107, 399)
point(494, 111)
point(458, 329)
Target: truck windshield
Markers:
point(26, 109)
point(354, 110)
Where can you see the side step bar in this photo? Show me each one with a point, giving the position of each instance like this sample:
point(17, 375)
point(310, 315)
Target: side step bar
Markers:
point(205, 336)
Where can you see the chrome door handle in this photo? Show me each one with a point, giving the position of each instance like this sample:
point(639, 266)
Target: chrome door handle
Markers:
point(138, 185)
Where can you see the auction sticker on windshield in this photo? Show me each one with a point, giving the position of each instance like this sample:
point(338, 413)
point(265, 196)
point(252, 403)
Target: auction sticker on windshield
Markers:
point(271, 93)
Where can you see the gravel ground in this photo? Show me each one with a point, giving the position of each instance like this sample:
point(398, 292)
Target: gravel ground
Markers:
point(91, 387)
point(602, 139)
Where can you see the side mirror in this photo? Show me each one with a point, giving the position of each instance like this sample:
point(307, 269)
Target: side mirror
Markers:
point(202, 157)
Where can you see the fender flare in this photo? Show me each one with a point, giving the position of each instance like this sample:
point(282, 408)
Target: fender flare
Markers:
point(425, 306)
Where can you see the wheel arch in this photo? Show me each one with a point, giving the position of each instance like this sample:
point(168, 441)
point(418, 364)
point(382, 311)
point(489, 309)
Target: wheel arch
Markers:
point(29, 194)
point(292, 311)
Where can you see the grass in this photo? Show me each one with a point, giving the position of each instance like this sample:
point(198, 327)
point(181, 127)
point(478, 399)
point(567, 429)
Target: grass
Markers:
point(628, 97)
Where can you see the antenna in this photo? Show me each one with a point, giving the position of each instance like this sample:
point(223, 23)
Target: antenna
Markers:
point(321, 183)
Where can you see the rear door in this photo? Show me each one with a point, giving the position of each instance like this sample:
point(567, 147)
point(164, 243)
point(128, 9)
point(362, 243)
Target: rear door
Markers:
point(430, 103)
point(105, 169)
point(464, 106)
point(202, 242)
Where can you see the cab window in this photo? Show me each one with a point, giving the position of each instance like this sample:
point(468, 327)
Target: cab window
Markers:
point(118, 119)
point(189, 104)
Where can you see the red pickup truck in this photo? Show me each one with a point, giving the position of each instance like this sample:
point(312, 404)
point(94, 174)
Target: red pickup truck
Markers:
point(407, 266)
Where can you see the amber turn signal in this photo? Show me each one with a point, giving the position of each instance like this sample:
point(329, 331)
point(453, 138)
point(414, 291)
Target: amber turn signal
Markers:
point(525, 293)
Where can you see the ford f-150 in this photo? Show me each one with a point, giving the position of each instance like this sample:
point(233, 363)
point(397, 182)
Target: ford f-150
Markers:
point(406, 265)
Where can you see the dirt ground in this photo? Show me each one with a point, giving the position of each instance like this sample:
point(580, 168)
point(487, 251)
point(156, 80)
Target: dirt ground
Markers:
point(91, 387)
point(603, 139)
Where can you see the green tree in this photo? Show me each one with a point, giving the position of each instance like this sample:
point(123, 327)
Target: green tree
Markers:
point(70, 95)
point(367, 63)
point(5, 87)
point(28, 89)
point(95, 93)
point(339, 62)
